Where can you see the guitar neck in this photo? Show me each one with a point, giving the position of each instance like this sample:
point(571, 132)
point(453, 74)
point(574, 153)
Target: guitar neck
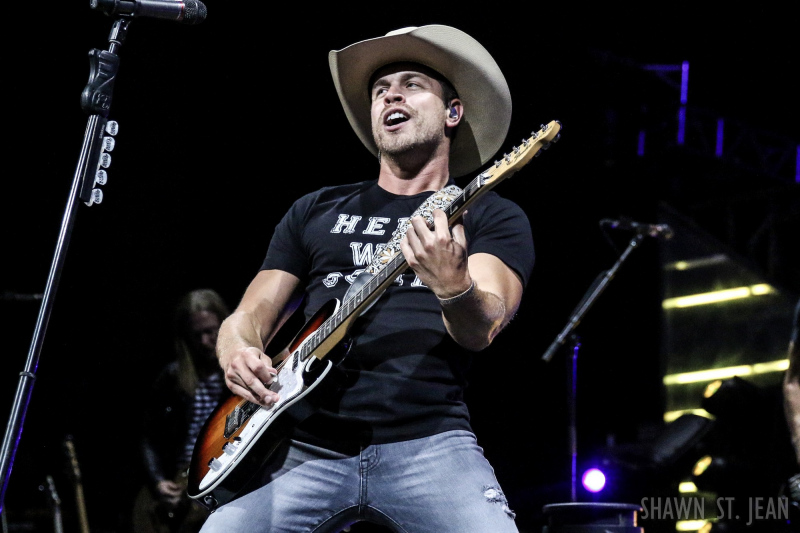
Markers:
point(376, 285)
point(482, 183)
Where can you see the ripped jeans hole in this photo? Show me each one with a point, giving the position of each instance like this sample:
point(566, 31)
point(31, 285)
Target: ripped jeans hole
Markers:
point(495, 495)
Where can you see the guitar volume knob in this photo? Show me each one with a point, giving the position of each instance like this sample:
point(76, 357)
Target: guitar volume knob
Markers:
point(230, 448)
point(215, 464)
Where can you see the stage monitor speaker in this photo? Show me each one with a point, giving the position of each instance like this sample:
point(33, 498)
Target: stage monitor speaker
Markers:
point(576, 517)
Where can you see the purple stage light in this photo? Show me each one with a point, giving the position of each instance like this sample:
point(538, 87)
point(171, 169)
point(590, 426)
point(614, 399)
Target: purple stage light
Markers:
point(593, 480)
point(720, 135)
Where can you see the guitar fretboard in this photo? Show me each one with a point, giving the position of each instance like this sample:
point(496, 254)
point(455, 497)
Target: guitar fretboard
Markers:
point(452, 205)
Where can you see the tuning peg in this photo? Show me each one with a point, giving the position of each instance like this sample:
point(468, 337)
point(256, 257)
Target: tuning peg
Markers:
point(105, 160)
point(108, 143)
point(112, 127)
point(96, 197)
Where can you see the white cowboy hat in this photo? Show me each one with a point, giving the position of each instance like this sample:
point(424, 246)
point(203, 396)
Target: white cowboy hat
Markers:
point(461, 59)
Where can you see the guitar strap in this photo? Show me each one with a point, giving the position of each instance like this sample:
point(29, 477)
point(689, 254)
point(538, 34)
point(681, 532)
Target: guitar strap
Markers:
point(439, 200)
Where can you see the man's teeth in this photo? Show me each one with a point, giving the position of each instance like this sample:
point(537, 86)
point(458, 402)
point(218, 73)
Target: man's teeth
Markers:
point(395, 116)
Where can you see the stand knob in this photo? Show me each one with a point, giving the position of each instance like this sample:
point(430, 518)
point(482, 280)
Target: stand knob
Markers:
point(101, 178)
point(96, 197)
point(112, 127)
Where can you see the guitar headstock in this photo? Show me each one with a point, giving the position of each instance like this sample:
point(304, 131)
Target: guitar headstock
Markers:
point(522, 154)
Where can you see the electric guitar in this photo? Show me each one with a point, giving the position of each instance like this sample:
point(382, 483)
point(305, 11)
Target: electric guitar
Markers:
point(239, 436)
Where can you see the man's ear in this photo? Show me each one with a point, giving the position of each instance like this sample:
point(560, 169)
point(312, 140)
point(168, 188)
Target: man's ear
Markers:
point(454, 112)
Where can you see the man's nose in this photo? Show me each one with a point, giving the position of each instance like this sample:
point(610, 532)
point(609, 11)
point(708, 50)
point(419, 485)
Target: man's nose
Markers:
point(393, 96)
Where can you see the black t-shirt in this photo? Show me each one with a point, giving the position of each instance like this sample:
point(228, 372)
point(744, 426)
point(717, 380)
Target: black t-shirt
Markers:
point(406, 376)
point(796, 325)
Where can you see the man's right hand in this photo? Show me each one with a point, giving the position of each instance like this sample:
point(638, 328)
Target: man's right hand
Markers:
point(243, 335)
point(248, 374)
point(169, 492)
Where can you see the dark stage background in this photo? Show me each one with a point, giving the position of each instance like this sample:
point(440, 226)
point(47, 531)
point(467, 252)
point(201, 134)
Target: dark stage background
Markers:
point(224, 124)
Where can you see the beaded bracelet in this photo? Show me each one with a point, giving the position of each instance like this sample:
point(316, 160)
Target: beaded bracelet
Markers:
point(457, 297)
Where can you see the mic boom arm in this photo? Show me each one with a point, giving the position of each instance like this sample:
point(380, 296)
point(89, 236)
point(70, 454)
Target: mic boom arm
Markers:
point(597, 288)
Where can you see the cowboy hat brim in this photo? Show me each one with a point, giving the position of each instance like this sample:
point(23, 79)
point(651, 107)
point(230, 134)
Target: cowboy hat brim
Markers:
point(468, 66)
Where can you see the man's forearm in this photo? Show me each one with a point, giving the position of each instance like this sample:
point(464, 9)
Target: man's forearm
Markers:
point(239, 331)
point(474, 319)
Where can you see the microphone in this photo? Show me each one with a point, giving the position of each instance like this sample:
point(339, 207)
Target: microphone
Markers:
point(186, 11)
point(652, 230)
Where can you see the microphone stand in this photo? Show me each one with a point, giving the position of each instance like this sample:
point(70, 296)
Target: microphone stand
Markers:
point(96, 101)
point(595, 290)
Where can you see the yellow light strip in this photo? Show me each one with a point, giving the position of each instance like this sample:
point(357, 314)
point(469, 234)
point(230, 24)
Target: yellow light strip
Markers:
point(689, 525)
point(773, 366)
point(687, 486)
point(697, 263)
point(669, 416)
point(727, 372)
point(706, 298)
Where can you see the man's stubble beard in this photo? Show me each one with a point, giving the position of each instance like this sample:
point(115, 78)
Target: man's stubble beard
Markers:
point(426, 132)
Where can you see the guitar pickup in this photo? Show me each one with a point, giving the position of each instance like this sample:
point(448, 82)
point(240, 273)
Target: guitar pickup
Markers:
point(237, 417)
point(233, 422)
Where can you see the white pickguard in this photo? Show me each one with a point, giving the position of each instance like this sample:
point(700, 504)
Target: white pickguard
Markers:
point(291, 388)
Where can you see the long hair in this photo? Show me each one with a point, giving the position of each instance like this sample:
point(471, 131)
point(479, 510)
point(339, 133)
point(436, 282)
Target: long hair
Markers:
point(193, 302)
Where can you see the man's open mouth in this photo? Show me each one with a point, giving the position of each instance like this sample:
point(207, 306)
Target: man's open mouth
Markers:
point(395, 118)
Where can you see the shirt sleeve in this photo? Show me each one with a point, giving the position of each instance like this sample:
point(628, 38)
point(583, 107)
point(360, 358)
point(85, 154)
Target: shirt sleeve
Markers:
point(499, 227)
point(286, 251)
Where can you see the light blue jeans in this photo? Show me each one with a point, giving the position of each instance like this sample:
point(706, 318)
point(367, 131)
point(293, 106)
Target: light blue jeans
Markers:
point(440, 484)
